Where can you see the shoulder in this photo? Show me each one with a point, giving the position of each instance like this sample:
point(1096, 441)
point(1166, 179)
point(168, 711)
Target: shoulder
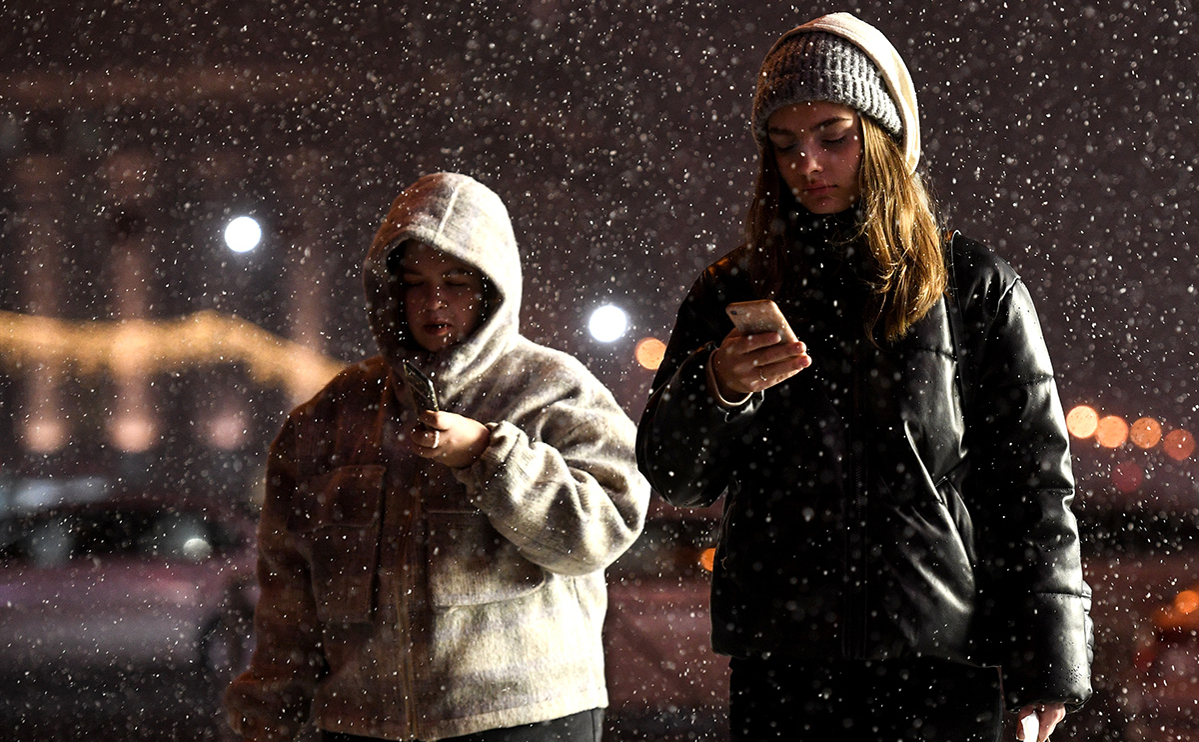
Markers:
point(728, 279)
point(732, 267)
point(534, 363)
point(975, 260)
point(541, 383)
point(358, 385)
point(345, 403)
point(978, 273)
point(995, 304)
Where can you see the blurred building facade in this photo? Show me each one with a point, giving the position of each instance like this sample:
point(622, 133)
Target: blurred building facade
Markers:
point(130, 136)
point(616, 133)
point(130, 345)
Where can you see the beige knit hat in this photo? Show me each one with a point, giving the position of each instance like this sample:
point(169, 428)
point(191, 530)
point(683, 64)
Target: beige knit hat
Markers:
point(842, 59)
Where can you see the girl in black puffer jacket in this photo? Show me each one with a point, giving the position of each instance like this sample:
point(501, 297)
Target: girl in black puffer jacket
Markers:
point(897, 481)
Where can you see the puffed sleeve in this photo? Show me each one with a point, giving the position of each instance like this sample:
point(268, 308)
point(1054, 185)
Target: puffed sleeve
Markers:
point(1034, 604)
point(560, 480)
point(685, 435)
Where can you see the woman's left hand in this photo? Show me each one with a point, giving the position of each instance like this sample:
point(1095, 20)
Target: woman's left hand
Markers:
point(450, 439)
point(1049, 715)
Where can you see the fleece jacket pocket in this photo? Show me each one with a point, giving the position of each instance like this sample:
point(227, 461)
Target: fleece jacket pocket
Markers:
point(344, 535)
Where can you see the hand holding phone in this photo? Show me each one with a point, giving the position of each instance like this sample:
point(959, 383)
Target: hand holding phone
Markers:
point(451, 439)
point(759, 316)
point(743, 365)
point(424, 395)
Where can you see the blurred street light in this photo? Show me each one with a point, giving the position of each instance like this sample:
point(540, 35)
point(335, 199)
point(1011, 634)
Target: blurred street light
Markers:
point(243, 234)
point(608, 323)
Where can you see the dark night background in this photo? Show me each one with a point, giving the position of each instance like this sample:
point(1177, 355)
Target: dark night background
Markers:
point(1063, 134)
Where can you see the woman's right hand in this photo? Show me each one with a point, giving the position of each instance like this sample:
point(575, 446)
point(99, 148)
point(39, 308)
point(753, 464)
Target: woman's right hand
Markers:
point(744, 364)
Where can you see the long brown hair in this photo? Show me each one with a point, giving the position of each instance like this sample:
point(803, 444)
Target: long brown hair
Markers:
point(905, 272)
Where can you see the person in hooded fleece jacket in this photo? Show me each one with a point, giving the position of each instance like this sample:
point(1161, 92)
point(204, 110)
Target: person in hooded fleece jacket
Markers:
point(431, 575)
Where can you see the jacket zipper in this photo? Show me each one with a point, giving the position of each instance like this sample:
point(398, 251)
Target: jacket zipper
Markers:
point(854, 640)
point(405, 541)
point(408, 543)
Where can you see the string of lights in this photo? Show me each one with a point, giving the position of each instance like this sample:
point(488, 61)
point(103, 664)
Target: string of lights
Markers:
point(142, 347)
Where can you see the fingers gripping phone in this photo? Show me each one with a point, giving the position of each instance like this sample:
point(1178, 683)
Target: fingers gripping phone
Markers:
point(758, 316)
point(424, 395)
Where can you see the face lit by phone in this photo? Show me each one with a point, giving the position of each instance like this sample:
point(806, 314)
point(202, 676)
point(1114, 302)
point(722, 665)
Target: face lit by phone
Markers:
point(443, 297)
point(818, 149)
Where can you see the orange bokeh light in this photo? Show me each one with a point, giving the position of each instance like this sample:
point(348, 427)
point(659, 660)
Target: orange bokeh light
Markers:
point(1186, 601)
point(1112, 431)
point(1082, 421)
point(1146, 432)
point(650, 352)
point(707, 559)
point(1179, 444)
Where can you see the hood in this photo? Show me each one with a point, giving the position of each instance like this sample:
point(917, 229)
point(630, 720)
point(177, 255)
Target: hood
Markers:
point(465, 219)
point(884, 55)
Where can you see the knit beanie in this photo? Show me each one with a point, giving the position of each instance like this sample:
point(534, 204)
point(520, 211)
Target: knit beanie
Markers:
point(841, 59)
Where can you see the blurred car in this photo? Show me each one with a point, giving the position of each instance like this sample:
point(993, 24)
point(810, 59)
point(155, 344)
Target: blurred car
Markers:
point(1139, 552)
point(127, 606)
point(664, 681)
point(1162, 701)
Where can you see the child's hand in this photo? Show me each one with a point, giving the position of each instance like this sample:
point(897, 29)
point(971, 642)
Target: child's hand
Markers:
point(450, 439)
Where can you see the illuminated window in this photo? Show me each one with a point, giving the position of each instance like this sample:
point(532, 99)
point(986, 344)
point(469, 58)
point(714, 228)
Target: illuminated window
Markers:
point(43, 434)
point(133, 432)
point(227, 429)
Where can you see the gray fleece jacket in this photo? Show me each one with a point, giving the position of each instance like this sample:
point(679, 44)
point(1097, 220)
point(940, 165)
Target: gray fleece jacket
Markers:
point(405, 600)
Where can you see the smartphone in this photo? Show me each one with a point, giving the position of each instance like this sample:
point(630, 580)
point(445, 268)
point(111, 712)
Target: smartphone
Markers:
point(758, 316)
point(424, 395)
point(1030, 728)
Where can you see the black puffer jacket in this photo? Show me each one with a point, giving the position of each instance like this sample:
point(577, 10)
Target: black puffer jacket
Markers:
point(887, 502)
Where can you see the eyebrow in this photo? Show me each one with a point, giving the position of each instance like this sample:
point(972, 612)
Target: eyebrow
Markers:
point(818, 127)
point(452, 272)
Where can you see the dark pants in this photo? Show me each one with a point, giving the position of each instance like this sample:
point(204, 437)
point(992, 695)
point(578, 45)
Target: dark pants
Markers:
point(917, 700)
point(585, 726)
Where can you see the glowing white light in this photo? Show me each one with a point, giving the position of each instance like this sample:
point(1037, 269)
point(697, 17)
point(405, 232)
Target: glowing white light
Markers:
point(243, 234)
point(197, 548)
point(608, 323)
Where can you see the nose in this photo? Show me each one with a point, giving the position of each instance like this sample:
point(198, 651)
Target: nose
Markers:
point(809, 164)
point(426, 298)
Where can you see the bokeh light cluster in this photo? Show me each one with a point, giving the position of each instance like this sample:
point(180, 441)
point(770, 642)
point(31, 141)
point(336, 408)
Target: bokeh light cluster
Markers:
point(1116, 433)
